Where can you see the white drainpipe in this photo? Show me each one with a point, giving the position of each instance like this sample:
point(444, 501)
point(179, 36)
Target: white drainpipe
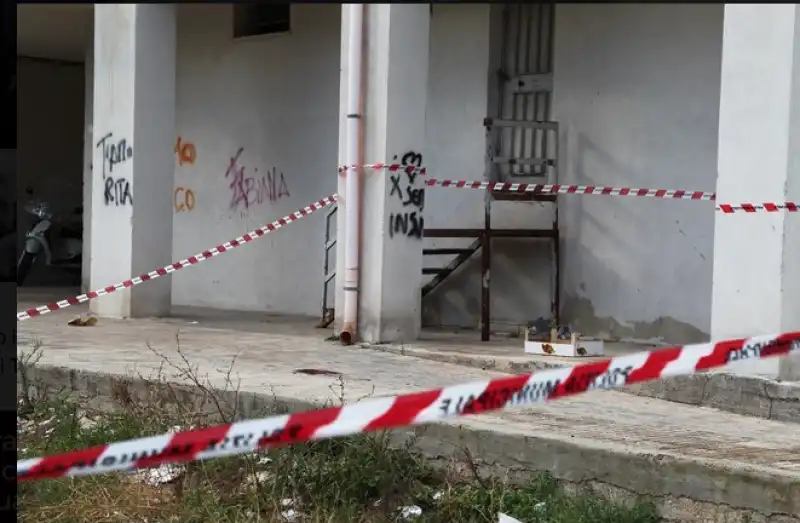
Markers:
point(352, 193)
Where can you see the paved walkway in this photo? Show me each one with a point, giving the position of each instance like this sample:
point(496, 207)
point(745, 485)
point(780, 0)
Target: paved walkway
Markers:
point(605, 436)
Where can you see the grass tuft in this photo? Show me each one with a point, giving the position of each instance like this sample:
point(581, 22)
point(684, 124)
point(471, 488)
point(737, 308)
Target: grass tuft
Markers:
point(359, 479)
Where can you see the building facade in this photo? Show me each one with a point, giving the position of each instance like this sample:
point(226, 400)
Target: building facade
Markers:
point(203, 122)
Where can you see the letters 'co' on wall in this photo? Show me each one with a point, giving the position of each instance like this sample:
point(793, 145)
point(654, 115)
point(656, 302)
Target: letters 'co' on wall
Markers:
point(407, 222)
point(183, 198)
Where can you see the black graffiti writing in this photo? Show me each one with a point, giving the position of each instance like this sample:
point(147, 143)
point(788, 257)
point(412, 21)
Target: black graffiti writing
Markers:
point(114, 153)
point(407, 223)
point(412, 162)
point(408, 195)
point(117, 192)
point(413, 196)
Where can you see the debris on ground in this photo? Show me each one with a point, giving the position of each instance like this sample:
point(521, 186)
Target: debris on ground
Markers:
point(543, 329)
point(317, 372)
point(539, 328)
point(83, 321)
point(162, 475)
point(563, 332)
point(412, 511)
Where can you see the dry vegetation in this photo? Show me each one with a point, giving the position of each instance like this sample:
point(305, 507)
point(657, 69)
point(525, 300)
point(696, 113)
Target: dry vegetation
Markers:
point(354, 479)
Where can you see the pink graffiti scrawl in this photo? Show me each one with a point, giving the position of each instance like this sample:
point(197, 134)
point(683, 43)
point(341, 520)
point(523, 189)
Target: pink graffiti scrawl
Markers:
point(248, 191)
point(239, 194)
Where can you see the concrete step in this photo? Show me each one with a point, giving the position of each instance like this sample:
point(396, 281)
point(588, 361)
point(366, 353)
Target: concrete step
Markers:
point(697, 464)
point(745, 395)
point(749, 396)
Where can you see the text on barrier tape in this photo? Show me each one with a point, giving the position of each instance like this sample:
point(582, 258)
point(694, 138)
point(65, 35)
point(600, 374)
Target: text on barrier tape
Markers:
point(404, 410)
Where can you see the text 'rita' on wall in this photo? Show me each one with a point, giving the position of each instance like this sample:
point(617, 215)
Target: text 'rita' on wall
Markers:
point(117, 191)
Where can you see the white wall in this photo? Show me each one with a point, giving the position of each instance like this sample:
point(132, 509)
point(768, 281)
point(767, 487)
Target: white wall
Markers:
point(277, 98)
point(459, 80)
point(637, 95)
point(50, 105)
point(638, 115)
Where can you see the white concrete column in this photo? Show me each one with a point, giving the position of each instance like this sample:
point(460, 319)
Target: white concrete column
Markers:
point(88, 152)
point(395, 97)
point(132, 160)
point(756, 279)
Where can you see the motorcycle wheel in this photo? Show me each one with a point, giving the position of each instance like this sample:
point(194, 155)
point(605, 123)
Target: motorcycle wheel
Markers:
point(24, 265)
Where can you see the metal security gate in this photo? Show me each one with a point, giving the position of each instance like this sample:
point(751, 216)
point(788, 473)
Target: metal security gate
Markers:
point(525, 91)
point(521, 139)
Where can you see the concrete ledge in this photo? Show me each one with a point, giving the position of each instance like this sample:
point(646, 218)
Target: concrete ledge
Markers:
point(744, 395)
point(686, 490)
point(749, 396)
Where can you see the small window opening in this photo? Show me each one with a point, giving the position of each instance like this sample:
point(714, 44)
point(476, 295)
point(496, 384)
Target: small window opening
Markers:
point(260, 19)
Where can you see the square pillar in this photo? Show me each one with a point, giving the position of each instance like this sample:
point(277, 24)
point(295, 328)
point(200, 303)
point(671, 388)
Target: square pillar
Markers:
point(395, 94)
point(756, 276)
point(132, 155)
point(88, 152)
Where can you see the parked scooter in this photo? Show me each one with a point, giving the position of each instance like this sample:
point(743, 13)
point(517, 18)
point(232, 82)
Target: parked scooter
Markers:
point(63, 250)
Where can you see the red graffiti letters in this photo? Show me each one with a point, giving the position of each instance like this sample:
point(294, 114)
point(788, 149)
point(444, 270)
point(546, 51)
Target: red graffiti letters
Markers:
point(247, 191)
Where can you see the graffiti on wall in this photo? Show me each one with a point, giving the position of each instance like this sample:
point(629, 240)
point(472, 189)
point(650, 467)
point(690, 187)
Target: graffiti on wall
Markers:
point(408, 222)
point(183, 197)
point(117, 190)
point(185, 151)
point(249, 191)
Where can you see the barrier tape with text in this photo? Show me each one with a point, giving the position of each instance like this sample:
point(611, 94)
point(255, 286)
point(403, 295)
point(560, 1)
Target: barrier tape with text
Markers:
point(191, 260)
point(405, 409)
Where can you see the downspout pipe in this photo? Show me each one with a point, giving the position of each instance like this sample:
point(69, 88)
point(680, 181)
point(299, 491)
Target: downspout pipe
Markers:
point(353, 128)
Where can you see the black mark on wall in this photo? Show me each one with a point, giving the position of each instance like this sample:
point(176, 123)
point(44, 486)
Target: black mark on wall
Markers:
point(409, 222)
point(117, 191)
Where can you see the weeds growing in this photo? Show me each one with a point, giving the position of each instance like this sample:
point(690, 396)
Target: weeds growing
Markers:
point(355, 479)
point(358, 479)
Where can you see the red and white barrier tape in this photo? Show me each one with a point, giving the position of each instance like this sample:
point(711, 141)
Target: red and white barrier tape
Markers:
point(391, 167)
point(756, 207)
point(191, 260)
point(404, 410)
point(676, 194)
point(573, 189)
